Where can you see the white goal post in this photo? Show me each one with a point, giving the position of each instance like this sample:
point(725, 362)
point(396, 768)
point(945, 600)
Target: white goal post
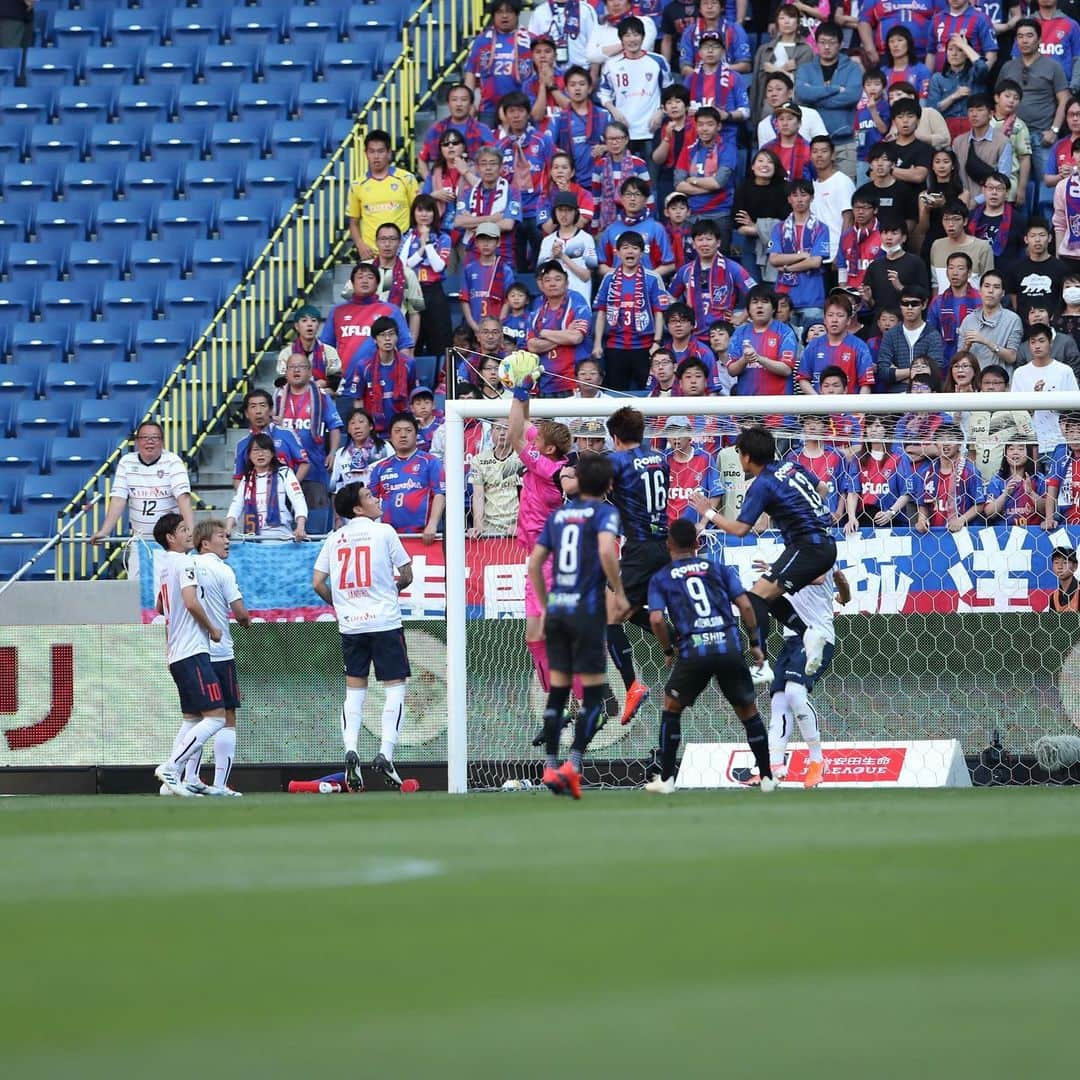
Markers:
point(457, 412)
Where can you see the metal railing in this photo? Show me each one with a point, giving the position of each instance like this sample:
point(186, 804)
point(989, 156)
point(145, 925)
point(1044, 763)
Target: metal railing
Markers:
point(198, 395)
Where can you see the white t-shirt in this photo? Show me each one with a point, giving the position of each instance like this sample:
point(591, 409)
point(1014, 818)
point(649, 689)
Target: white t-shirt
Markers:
point(549, 20)
point(219, 590)
point(831, 198)
point(291, 504)
point(912, 336)
point(633, 87)
point(361, 558)
point(608, 34)
point(586, 260)
point(151, 490)
point(1054, 376)
point(814, 605)
point(185, 637)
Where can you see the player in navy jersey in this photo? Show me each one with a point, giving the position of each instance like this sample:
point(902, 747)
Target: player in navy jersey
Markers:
point(697, 596)
point(583, 537)
point(789, 495)
point(639, 490)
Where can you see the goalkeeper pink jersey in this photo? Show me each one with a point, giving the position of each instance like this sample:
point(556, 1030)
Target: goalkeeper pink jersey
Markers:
point(541, 493)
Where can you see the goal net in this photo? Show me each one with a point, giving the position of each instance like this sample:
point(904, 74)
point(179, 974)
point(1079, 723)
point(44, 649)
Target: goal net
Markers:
point(962, 621)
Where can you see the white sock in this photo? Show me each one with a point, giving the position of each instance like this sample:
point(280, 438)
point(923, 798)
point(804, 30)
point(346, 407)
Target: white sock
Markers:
point(806, 716)
point(202, 731)
point(183, 737)
point(352, 716)
point(224, 753)
point(191, 768)
point(779, 729)
point(392, 714)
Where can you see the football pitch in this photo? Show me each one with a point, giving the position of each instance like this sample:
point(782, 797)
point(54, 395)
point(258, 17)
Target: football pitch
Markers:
point(822, 934)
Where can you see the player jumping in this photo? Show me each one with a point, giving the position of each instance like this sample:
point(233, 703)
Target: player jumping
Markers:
point(640, 491)
point(355, 573)
point(188, 633)
point(583, 537)
point(698, 596)
point(789, 495)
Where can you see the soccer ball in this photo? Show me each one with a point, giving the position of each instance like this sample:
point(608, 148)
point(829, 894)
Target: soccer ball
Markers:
point(517, 367)
point(575, 249)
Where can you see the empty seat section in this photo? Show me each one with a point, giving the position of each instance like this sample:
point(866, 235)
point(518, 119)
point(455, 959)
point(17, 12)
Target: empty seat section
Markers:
point(154, 262)
point(148, 182)
point(141, 28)
point(194, 26)
point(184, 220)
point(205, 103)
point(213, 179)
point(122, 221)
point(88, 184)
point(230, 65)
point(239, 141)
point(103, 342)
point(128, 301)
point(84, 104)
point(52, 67)
point(113, 65)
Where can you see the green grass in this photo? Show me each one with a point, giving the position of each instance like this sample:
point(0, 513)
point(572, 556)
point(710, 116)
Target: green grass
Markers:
point(825, 934)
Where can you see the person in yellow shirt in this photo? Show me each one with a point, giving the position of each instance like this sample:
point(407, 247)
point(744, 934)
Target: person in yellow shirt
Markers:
point(384, 193)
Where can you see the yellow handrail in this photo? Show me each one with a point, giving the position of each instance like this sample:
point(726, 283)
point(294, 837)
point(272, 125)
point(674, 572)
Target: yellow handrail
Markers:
point(217, 369)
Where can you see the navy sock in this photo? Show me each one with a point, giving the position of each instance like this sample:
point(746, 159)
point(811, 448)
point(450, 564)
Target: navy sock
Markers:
point(758, 738)
point(781, 609)
point(558, 696)
point(761, 614)
point(622, 655)
point(588, 723)
point(670, 737)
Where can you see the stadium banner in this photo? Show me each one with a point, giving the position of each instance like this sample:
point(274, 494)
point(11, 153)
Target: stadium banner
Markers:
point(891, 571)
point(931, 763)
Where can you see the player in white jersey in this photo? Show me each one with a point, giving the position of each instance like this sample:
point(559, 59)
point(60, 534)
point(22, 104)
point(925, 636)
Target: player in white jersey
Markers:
point(149, 483)
point(189, 632)
point(360, 571)
point(221, 598)
point(791, 685)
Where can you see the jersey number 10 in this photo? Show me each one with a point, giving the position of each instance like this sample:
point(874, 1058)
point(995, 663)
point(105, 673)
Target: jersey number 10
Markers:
point(355, 568)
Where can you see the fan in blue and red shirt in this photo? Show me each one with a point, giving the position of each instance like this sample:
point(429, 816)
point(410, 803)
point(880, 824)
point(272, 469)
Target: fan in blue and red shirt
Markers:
point(559, 330)
point(711, 284)
point(838, 478)
point(679, 324)
point(881, 17)
point(949, 309)
point(1059, 40)
point(500, 59)
point(493, 201)
point(836, 348)
point(581, 125)
point(690, 469)
point(679, 229)
point(526, 157)
point(711, 19)
point(843, 431)
point(789, 146)
point(763, 351)
point(799, 248)
point(382, 384)
point(485, 278)
point(410, 485)
point(545, 87)
point(716, 85)
point(635, 215)
point(860, 243)
point(705, 170)
point(961, 18)
point(459, 101)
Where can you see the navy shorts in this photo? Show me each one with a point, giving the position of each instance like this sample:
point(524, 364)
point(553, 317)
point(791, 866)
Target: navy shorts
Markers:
point(691, 674)
point(638, 562)
point(225, 670)
point(790, 665)
point(200, 692)
point(800, 565)
point(576, 644)
point(383, 648)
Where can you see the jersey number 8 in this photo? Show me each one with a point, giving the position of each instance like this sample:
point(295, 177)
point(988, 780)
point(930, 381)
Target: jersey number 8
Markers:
point(567, 562)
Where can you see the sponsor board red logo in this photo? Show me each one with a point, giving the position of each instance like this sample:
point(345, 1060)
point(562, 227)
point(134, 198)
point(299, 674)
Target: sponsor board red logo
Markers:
point(851, 765)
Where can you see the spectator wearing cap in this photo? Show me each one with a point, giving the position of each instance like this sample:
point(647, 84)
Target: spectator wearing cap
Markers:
point(716, 85)
point(428, 420)
point(384, 193)
point(492, 201)
point(569, 24)
point(982, 150)
point(713, 17)
point(780, 89)
point(546, 86)
point(679, 227)
point(591, 434)
point(833, 85)
point(325, 361)
point(398, 283)
point(571, 245)
point(784, 53)
point(425, 250)
point(559, 330)
point(636, 213)
point(499, 60)
point(790, 148)
point(383, 383)
point(474, 135)
point(486, 276)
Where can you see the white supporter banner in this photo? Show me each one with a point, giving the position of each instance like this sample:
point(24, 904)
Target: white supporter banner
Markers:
point(927, 763)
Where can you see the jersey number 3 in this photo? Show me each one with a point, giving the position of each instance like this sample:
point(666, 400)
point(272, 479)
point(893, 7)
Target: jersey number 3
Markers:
point(354, 568)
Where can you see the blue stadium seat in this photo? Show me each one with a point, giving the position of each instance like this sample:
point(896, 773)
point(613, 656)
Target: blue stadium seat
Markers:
point(12, 144)
point(104, 419)
point(246, 222)
point(84, 104)
point(77, 380)
point(105, 343)
point(222, 261)
point(111, 65)
point(48, 494)
point(58, 223)
point(26, 105)
point(126, 302)
point(52, 67)
point(194, 26)
point(16, 306)
point(148, 182)
point(88, 184)
point(361, 19)
point(132, 386)
point(76, 460)
point(237, 142)
point(297, 141)
point(78, 29)
point(391, 51)
point(270, 180)
point(213, 179)
point(253, 26)
point(162, 342)
point(21, 375)
point(30, 264)
point(39, 343)
point(353, 59)
point(122, 221)
point(27, 185)
point(340, 130)
point(113, 143)
point(139, 28)
point(264, 102)
point(56, 144)
point(427, 370)
point(10, 66)
point(93, 263)
point(178, 143)
point(230, 65)
point(312, 25)
point(193, 302)
point(184, 220)
point(290, 65)
point(19, 461)
point(153, 262)
point(62, 304)
point(149, 104)
point(13, 556)
point(14, 223)
point(170, 65)
point(324, 102)
point(204, 103)
point(34, 423)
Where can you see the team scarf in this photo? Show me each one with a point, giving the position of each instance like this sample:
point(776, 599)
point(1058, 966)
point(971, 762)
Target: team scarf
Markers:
point(712, 87)
point(484, 201)
point(373, 399)
point(396, 294)
point(699, 299)
point(639, 310)
point(718, 27)
point(609, 186)
point(566, 131)
point(284, 403)
point(361, 458)
point(853, 243)
point(570, 22)
point(794, 159)
point(317, 356)
point(681, 242)
point(1001, 238)
point(251, 500)
point(524, 179)
point(487, 66)
point(1072, 208)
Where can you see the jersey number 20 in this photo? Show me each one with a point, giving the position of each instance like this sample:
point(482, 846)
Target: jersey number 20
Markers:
point(355, 568)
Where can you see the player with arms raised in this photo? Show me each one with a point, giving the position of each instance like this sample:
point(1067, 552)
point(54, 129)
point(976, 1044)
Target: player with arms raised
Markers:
point(360, 571)
point(583, 536)
point(639, 491)
point(697, 596)
point(188, 632)
point(788, 494)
